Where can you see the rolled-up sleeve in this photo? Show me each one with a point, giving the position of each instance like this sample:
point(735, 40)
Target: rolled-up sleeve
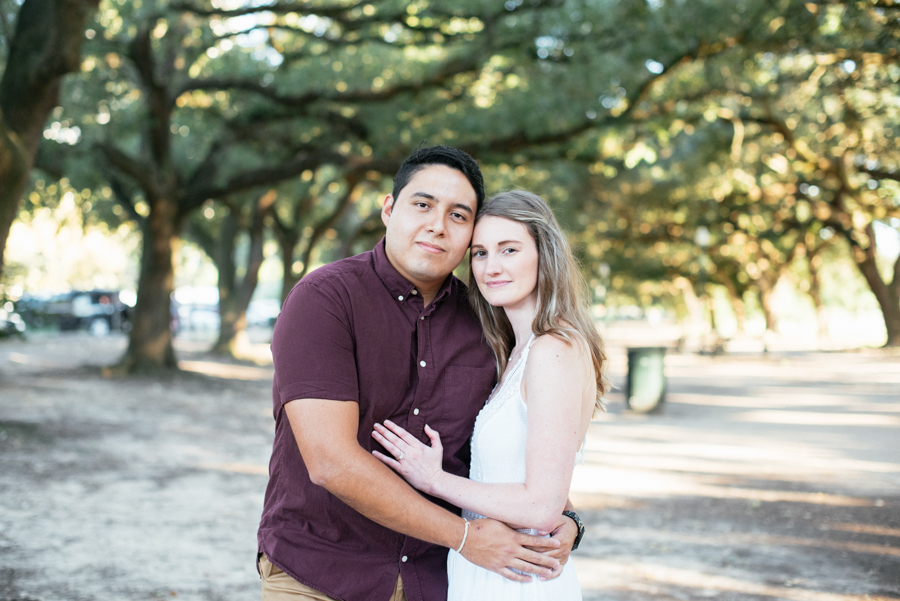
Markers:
point(313, 347)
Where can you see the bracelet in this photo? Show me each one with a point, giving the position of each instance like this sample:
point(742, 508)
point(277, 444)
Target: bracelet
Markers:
point(465, 534)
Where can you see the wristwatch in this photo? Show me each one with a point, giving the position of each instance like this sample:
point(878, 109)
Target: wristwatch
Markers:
point(579, 523)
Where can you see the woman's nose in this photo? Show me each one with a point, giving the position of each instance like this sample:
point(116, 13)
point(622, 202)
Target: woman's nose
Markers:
point(492, 265)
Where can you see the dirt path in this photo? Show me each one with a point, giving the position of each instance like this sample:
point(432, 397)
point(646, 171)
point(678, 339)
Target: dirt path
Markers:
point(774, 478)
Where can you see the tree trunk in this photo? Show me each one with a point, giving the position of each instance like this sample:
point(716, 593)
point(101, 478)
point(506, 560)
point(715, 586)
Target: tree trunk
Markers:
point(45, 46)
point(287, 242)
point(226, 267)
point(234, 297)
point(815, 292)
point(766, 292)
point(737, 304)
point(692, 339)
point(15, 165)
point(150, 340)
point(888, 295)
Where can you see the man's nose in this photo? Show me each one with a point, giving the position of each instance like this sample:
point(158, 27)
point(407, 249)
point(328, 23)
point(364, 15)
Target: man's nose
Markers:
point(436, 224)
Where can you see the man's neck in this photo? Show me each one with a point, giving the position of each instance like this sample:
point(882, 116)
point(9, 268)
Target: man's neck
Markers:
point(428, 291)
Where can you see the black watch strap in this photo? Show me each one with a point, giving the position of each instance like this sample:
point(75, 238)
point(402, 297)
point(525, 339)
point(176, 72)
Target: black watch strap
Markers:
point(579, 523)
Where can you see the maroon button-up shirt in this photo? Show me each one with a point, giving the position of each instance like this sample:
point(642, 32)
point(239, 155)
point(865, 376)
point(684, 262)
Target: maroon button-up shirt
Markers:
point(357, 331)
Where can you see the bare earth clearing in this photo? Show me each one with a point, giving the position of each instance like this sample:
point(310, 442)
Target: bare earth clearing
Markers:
point(764, 478)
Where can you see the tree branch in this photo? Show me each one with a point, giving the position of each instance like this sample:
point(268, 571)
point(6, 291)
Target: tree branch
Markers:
point(522, 140)
point(134, 168)
point(259, 177)
point(141, 53)
point(441, 75)
point(125, 199)
point(320, 228)
point(278, 8)
point(880, 174)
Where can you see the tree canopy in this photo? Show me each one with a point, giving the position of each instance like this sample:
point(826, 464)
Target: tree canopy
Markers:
point(695, 144)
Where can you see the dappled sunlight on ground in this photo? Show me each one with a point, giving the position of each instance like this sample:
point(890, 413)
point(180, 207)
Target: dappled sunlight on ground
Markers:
point(227, 371)
point(763, 478)
point(648, 580)
point(758, 472)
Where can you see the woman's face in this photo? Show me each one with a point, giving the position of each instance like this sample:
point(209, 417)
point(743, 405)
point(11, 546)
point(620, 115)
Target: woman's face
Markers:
point(504, 262)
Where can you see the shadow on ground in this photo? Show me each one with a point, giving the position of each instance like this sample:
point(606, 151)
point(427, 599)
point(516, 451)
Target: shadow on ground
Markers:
point(763, 478)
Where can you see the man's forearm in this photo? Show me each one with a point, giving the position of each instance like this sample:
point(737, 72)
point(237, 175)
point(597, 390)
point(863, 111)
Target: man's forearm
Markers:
point(325, 432)
point(372, 489)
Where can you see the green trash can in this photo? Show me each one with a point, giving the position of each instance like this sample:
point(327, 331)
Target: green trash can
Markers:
point(645, 388)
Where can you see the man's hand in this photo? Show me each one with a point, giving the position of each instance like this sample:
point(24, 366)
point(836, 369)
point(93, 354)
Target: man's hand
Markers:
point(565, 532)
point(497, 547)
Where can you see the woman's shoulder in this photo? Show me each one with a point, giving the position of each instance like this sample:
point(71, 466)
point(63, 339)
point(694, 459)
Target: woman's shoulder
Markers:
point(556, 365)
point(553, 349)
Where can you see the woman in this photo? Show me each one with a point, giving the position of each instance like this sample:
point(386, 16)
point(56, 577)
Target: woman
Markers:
point(528, 295)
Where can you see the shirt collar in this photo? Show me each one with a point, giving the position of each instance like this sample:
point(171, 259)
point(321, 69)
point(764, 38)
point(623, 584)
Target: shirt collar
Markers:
point(399, 287)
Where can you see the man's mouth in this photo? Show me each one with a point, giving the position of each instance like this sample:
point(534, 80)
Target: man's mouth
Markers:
point(430, 248)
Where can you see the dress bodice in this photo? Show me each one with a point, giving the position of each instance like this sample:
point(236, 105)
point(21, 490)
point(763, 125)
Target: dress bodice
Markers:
point(498, 455)
point(500, 434)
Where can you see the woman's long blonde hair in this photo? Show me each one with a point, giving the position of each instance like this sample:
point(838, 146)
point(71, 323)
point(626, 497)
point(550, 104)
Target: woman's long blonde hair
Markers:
point(561, 306)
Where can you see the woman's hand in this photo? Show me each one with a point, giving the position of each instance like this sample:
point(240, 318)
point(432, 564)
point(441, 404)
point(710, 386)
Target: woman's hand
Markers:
point(419, 464)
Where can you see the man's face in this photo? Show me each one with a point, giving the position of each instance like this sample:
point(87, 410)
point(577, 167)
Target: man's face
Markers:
point(429, 225)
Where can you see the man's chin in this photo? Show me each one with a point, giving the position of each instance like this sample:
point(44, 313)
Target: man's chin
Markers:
point(433, 273)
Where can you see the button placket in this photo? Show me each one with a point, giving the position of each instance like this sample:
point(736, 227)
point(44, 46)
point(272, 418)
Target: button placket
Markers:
point(425, 389)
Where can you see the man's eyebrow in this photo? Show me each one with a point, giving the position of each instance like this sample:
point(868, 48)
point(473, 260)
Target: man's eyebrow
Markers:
point(458, 205)
point(463, 207)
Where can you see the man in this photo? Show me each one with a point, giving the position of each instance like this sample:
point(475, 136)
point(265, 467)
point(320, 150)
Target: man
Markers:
point(387, 334)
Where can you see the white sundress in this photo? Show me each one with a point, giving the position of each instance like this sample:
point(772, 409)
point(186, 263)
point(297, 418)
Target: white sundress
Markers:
point(498, 455)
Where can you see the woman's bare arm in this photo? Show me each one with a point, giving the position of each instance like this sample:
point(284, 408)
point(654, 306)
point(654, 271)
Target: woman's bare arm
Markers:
point(559, 392)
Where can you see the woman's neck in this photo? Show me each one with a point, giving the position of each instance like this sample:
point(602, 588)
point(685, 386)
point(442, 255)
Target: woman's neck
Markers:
point(521, 318)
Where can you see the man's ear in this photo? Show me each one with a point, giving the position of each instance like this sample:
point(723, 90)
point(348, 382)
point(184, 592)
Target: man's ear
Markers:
point(387, 208)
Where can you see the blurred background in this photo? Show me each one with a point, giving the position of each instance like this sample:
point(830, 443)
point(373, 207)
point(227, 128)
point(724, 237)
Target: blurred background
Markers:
point(727, 171)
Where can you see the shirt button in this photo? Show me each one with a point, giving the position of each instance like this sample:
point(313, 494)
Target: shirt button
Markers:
point(415, 291)
point(403, 558)
point(423, 317)
point(400, 298)
point(422, 363)
point(415, 412)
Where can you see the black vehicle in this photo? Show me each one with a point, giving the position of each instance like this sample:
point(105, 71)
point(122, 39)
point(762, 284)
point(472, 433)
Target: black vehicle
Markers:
point(97, 311)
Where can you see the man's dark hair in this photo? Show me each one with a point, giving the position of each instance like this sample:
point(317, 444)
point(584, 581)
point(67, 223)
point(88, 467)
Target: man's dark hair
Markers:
point(440, 155)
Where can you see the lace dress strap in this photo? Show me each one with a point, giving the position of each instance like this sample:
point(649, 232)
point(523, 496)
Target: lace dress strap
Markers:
point(524, 355)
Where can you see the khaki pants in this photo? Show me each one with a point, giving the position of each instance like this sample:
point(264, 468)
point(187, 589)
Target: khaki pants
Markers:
point(278, 586)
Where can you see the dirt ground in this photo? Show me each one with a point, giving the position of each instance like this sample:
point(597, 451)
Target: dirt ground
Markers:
point(764, 477)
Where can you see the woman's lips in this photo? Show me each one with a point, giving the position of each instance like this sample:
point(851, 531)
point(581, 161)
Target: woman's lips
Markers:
point(496, 284)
